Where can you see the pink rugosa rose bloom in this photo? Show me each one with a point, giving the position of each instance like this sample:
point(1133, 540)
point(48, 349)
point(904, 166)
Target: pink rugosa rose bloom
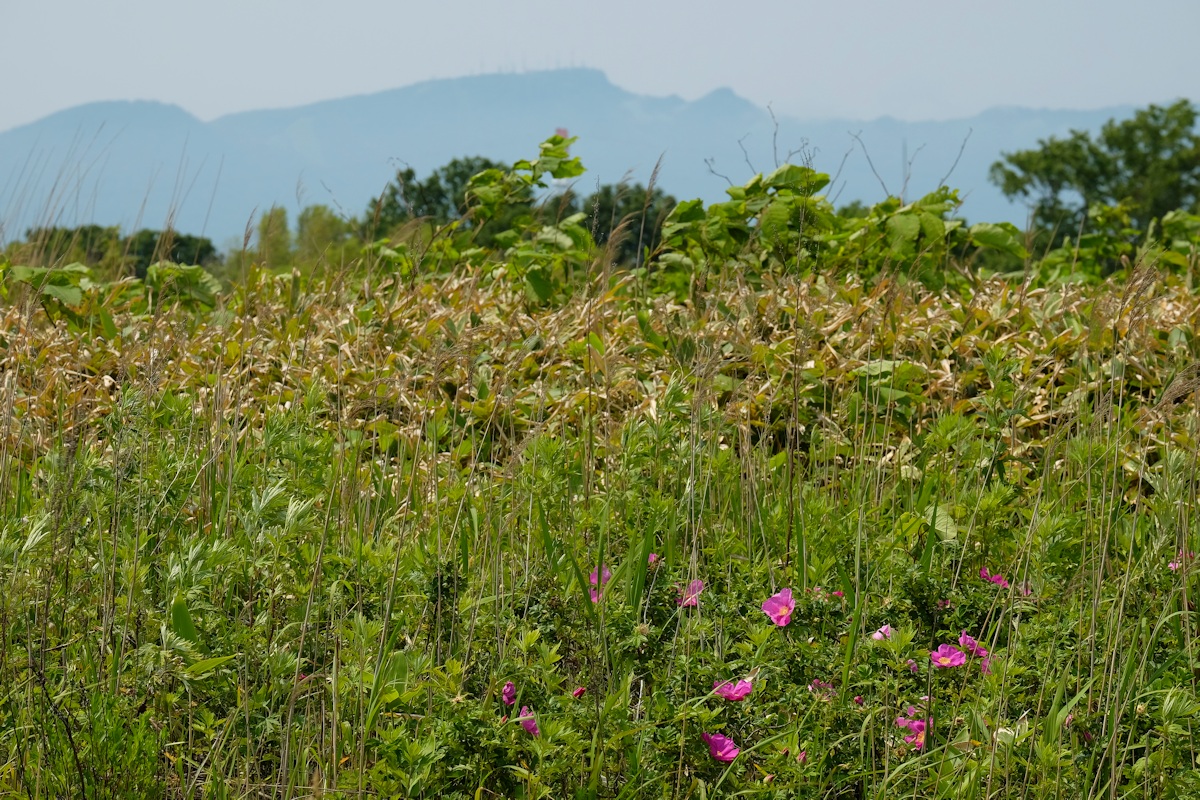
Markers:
point(947, 655)
point(721, 747)
point(997, 579)
point(971, 646)
point(729, 690)
point(916, 727)
point(691, 595)
point(604, 577)
point(528, 722)
point(509, 694)
point(822, 689)
point(779, 607)
point(883, 633)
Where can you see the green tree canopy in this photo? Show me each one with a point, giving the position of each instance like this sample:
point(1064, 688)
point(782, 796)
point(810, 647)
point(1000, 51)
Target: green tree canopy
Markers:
point(106, 249)
point(1150, 163)
point(440, 197)
point(147, 246)
point(321, 235)
point(88, 244)
point(274, 238)
point(643, 209)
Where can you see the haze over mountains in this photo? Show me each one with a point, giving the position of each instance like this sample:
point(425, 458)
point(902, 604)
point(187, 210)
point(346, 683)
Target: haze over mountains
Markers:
point(152, 165)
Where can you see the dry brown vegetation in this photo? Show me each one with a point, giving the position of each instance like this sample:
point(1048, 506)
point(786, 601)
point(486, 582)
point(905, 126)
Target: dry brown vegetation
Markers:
point(388, 356)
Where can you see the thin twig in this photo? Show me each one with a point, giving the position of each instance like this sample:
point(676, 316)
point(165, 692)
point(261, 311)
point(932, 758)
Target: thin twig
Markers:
point(858, 138)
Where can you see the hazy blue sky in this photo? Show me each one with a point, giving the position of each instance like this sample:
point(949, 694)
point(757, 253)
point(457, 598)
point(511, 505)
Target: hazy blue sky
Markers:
point(923, 59)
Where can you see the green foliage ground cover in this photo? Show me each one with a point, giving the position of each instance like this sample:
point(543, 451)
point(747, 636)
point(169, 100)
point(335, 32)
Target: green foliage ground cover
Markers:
point(432, 525)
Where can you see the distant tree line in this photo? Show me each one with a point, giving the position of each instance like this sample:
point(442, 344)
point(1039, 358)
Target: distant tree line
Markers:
point(107, 250)
point(1135, 171)
point(407, 206)
point(1124, 182)
point(441, 198)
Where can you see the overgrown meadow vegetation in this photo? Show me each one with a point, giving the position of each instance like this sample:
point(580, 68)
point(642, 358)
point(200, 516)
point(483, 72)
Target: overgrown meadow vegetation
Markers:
point(794, 504)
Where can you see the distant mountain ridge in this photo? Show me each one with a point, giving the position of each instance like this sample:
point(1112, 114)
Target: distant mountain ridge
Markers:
point(145, 164)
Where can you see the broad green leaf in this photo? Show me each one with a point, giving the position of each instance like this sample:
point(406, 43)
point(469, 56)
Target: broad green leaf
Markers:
point(908, 528)
point(181, 620)
point(725, 383)
point(933, 228)
point(677, 261)
point(70, 295)
point(26, 274)
point(775, 220)
point(902, 232)
point(878, 367)
point(553, 236)
point(682, 218)
point(942, 521)
point(207, 665)
point(1176, 259)
point(541, 287)
point(1003, 237)
point(890, 395)
point(183, 282)
point(107, 326)
point(801, 180)
point(555, 158)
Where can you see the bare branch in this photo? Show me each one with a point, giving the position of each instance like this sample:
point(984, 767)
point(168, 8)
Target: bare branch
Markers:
point(775, 136)
point(961, 148)
point(858, 138)
point(836, 175)
point(842, 165)
point(746, 156)
point(708, 162)
point(908, 170)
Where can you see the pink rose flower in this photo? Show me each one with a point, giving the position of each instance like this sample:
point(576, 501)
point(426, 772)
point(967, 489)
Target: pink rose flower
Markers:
point(529, 722)
point(691, 595)
point(779, 607)
point(735, 692)
point(598, 581)
point(971, 646)
point(720, 747)
point(947, 655)
point(997, 579)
